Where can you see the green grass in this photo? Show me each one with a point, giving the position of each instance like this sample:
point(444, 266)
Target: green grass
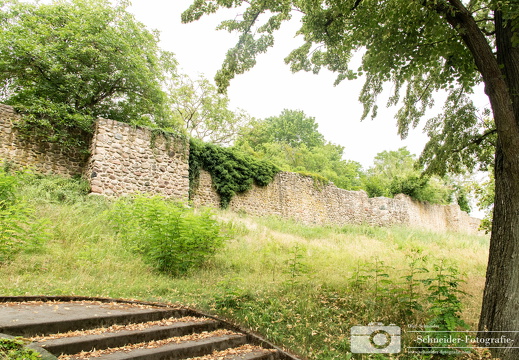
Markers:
point(15, 349)
point(291, 283)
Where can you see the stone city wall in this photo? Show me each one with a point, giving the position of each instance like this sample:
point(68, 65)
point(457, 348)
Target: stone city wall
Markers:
point(123, 159)
point(43, 157)
point(298, 197)
point(126, 159)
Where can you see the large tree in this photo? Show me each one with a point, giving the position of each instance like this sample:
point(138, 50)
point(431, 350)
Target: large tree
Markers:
point(70, 62)
point(292, 142)
point(204, 112)
point(396, 172)
point(422, 47)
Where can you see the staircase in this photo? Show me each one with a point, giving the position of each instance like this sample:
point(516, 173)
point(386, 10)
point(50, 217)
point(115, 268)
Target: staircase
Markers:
point(73, 328)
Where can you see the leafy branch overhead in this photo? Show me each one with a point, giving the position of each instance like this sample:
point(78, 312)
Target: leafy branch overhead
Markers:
point(419, 53)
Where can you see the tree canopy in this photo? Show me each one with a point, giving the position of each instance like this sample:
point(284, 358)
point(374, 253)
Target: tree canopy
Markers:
point(70, 62)
point(293, 142)
point(398, 172)
point(420, 53)
point(291, 127)
point(204, 112)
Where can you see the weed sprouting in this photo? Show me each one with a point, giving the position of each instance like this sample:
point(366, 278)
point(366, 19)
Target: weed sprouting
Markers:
point(296, 267)
point(443, 297)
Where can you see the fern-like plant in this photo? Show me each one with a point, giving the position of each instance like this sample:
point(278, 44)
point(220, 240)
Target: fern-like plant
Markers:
point(171, 237)
point(20, 230)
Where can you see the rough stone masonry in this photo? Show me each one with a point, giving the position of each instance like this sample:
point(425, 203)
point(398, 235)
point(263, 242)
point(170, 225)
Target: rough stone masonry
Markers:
point(125, 159)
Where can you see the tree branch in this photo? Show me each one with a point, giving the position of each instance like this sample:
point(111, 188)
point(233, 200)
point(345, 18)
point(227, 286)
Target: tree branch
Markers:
point(356, 5)
point(476, 141)
point(247, 30)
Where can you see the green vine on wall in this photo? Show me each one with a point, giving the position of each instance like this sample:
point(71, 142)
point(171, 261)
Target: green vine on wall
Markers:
point(232, 171)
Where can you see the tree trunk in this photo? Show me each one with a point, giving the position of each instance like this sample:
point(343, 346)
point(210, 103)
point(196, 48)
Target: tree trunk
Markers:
point(500, 311)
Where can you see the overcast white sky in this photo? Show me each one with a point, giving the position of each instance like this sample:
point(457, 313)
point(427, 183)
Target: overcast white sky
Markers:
point(271, 87)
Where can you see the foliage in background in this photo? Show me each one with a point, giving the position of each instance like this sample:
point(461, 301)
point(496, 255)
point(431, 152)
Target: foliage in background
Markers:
point(291, 127)
point(292, 142)
point(389, 168)
point(66, 63)
point(396, 172)
point(485, 195)
point(232, 171)
point(171, 238)
point(14, 349)
point(20, 230)
point(204, 112)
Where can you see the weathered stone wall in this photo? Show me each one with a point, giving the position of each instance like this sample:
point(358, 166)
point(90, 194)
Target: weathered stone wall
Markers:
point(126, 160)
point(123, 159)
point(42, 157)
point(298, 197)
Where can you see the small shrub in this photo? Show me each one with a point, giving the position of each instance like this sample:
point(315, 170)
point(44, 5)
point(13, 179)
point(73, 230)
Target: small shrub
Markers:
point(19, 228)
point(296, 267)
point(171, 237)
point(408, 296)
point(14, 349)
point(443, 295)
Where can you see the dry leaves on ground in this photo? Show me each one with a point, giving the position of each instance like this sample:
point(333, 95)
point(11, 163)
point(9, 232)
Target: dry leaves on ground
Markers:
point(116, 328)
point(147, 345)
point(220, 355)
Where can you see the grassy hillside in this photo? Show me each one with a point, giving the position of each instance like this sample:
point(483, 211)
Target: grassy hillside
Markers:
point(301, 287)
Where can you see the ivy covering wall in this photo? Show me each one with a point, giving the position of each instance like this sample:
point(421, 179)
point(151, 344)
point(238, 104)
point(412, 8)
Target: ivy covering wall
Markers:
point(232, 171)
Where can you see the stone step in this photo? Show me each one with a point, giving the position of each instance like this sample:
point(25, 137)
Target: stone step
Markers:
point(177, 351)
point(255, 355)
point(76, 344)
point(110, 329)
point(263, 354)
point(52, 325)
